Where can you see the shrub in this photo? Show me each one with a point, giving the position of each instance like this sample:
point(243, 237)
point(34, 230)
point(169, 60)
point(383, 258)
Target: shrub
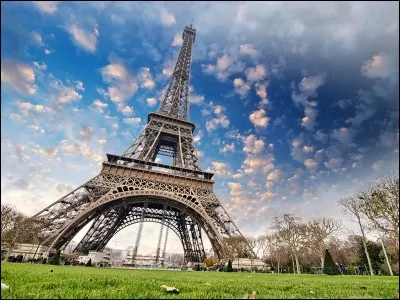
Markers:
point(55, 260)
point(229, 267)
point(89, 263)
point(329, 266)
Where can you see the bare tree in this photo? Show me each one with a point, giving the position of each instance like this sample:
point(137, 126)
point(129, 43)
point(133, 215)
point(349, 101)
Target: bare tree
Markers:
point(380, 204)
point(18, 228)
point(11, 220)
point(253, 244)
point(292, 233)
point(262, 242)
point(237, 246)
point(277, 249)
point(319, 230)
point(353, 207)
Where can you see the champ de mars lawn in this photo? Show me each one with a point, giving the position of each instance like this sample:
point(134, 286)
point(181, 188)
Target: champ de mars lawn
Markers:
point(38, 281)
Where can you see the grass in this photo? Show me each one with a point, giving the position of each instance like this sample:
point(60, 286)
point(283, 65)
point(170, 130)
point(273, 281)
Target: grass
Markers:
point(36, 281)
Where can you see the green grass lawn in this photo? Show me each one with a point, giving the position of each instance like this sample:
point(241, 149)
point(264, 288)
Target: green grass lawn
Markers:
point(36, 281)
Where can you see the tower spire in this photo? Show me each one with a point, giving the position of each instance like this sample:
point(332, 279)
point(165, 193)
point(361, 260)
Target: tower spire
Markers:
point(175, 102)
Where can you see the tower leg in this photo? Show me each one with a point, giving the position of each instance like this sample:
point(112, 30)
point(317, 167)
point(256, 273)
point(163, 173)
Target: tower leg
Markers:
point(165, 244)
point(160, 236)
point(159, 243)
point(135, 250)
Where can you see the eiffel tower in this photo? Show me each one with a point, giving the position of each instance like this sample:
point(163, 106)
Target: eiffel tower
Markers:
point(133, 188)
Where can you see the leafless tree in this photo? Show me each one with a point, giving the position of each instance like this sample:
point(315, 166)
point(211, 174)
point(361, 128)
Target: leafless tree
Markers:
point(380, 204)
point(353, 207)
point(319, 230)
point(292, 233)
point(276, 248)
point(262, 242)
point(18, 228)
point(237, 246)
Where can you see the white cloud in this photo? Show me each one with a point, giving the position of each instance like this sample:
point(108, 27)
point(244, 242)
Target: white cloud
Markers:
point(249, 49)
point(18, 76)
point(220, 119)
point(151, 101)
point(15, 117)
point(197, 138)
point(268, 196)
point(377, 166)
point(228, 148)
point(85, 133)
point(37, 38)
point(236, 189)
point(308, 149)
point(308, 88)
point(82, 149)
point(299, 151)
point(253, 145)
point(168, 68)
point(364, 108)
point(334, 163)
point(257, 163)
point(241, 87)
point(310, 114)
point(275, 175)
point(321, 136)
point(310, 164)
point(63, 95)
point(177, 41)
point(343, 135)
point(221, 169)
point(167, 18)
point(261, 91)
point(194, 98)
point(125, 109)
point(40, 67)
point(27, 108)
point(258, 118)
point(49, 153)
point(48, 7)
point(79, 86)
point(145, 78)
point(122, 85)
point(379, 66)
point(83, 38)
point(48, 51)
point(99, 106)
point(226, 65)
point(256, 74)
point(132, 121)
point(37, 128)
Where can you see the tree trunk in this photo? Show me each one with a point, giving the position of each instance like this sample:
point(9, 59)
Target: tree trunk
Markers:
point(371, 269)
point(294, 269)
point(297, 263)
point(322, 257)
point(387, 259)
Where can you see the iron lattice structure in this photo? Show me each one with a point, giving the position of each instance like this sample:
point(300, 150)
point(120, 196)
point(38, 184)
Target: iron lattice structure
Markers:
point(132, 188)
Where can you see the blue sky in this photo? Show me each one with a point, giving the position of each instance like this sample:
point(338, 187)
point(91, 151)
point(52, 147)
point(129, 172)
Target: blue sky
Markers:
point(295, 105)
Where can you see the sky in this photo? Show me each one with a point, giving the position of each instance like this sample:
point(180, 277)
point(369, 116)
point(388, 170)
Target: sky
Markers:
point(296, 104)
